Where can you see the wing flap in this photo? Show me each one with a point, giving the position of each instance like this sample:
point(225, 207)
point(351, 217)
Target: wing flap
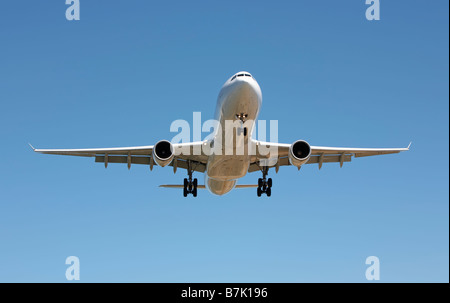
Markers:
point(312, 160)
point(330, 159)
point(196, 166)
point(124, 159)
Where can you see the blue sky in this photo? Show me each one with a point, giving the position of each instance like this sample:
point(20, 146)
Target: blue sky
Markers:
point(127, 69)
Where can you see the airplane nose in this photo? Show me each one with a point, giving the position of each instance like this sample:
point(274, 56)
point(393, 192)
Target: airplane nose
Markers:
point(242, 88)
point(244, 85)
point(245, 89)
point(244, 95)
point(244, 82)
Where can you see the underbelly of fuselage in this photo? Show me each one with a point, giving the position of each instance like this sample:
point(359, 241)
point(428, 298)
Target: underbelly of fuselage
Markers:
point(223, 172)
point(232, 162)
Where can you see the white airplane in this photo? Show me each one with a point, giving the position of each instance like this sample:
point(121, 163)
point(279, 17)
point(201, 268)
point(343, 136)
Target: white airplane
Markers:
point(240, 99)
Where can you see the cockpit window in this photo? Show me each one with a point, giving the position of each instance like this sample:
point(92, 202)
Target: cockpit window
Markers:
point(241, 75)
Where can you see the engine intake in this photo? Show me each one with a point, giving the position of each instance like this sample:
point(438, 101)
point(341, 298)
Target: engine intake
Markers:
point(299, 153)
point(163, 153)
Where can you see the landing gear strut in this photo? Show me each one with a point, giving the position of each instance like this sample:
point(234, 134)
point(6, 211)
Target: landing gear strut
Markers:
point(243, 117)
point(264, 184)
point(190, 185)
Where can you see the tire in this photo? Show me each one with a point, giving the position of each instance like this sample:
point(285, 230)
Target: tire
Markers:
point(269, 192)
point(245, 131)
point(269, 183)
point(195, 183)
point(194, 192)
point(260, 183)
point(185, 191)
point(258, 191)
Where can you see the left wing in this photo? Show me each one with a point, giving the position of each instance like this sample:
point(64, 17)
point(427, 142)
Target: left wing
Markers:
point(322, 154)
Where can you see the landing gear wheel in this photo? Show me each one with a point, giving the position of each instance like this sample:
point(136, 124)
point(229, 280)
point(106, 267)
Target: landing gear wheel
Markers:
point(190, 185)
point(258, 191)
point(264, 185)
point(185, 186)
point(194, 190)
point(245, 131)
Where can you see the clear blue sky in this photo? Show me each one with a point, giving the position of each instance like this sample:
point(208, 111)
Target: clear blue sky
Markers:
point(127, 69)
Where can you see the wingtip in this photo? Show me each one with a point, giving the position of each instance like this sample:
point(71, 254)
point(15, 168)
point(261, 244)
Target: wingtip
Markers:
point(409, 145)
point(32, 147)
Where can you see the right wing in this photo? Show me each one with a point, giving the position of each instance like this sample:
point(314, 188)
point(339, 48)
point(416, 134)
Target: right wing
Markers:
point(134, 155)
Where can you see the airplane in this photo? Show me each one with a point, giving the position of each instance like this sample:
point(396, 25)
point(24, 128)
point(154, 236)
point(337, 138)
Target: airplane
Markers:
point(239, 100)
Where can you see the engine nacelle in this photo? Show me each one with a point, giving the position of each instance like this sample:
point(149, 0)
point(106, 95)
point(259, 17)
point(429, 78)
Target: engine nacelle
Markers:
point(163, 153)
point(299, 153)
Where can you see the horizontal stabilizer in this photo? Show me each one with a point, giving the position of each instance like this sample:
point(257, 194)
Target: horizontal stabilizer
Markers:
point(180, 186)
point(203, 186)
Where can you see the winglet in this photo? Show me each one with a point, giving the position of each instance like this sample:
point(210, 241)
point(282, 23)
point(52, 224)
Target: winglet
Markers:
point(32, 146)
point(409, 145)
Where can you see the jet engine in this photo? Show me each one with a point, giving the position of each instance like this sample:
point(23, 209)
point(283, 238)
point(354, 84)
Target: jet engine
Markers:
point(299, 153)
point(163, 153)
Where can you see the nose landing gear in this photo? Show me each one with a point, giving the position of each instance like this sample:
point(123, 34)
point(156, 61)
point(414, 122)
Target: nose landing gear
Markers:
point(243, 130)
point(242, 117)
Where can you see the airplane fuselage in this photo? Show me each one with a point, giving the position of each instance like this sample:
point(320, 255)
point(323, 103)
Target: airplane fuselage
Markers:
point(239, 102)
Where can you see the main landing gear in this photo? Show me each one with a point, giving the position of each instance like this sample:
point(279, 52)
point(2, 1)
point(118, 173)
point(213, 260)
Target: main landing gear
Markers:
point(190, 185)
point(264, 184)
